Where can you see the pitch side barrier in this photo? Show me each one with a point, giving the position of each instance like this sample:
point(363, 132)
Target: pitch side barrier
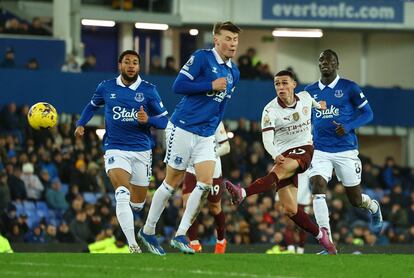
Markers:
point(246, 248)
point(69, 92)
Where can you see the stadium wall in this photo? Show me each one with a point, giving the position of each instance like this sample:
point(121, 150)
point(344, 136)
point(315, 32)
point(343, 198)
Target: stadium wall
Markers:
point(69, 92)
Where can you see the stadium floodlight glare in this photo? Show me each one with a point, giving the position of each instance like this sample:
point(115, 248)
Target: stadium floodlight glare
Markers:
point(96, 22)
point(193, 32)
point(297, 33)
point(151, 26)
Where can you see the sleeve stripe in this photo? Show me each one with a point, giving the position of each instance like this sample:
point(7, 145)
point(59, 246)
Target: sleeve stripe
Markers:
point(221, 142)
point(363, 104)
point(187, 74)
point(268, 129)
point(96, 104)
point(162, 114)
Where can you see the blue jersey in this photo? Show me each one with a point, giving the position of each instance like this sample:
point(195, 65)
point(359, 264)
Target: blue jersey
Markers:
point(343, 99)
point(201, 110)
point(123, 132)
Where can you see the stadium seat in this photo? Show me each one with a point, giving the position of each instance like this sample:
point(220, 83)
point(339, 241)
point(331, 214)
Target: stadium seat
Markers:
point(19, 208)
point(90, 197)
point(42, 209)
point(64, 187)
point(32, 219)
point(29, 206)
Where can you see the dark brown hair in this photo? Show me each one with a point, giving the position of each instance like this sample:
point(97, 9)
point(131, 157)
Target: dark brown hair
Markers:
point(227, 25)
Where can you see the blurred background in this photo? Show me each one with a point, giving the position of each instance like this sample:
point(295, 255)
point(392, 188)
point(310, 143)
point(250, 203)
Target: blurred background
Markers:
point(53, 188)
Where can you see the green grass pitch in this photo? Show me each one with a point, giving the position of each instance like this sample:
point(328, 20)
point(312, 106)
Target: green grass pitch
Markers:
point(203, 265)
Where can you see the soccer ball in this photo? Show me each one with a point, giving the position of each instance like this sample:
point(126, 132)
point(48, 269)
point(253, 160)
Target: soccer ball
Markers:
point(42, 115)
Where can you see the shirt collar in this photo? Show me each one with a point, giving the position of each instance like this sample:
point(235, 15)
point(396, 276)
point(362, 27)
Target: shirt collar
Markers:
point(220, 60)
point(133, 86)
point(332, 85)
point(283, 105)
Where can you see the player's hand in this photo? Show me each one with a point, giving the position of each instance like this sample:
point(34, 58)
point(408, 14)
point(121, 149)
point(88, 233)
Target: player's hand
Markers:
point(220, 84)
point(79, 131)
point(340, 130)
point(280, 159)
point(142, 116)
point(322, 103)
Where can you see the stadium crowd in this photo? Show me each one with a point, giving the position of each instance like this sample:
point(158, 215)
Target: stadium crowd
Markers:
point(53, 188)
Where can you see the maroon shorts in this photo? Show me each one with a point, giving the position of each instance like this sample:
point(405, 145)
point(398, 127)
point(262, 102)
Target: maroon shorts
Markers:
point(190, 182)
point(303, 155)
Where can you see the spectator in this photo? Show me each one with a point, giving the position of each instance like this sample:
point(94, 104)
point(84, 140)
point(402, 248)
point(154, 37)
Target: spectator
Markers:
point(80, 229)
point(51, 234)
point(71, 65)
point(13, 26)
point(89, 64)
point(34, 187)
point(5, 197)
point(33, 64)
point(36, 235)
point(64, 235)
point(156, 67)
point(8, 61)
point(37, 28)
point(16, 184)
point(170, 68)
point(56, 198)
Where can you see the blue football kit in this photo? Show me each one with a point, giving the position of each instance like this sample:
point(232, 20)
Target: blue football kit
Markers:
point(201, 109)
point(346, 105)
point(123, 131)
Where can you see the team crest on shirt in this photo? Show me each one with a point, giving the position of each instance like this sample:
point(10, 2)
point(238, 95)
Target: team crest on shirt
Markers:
point(305, 110)
point(178, 160)
point(230, 78)
point(139, 97)
point(339, 93)
point(296, 116)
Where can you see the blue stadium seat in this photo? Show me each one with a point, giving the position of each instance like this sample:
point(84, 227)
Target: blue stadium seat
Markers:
point(32, 219)
point(42, 209)
point(64, 188)
point(29, 206)
point(19, 208)
point(41, 205)
point(90, 197)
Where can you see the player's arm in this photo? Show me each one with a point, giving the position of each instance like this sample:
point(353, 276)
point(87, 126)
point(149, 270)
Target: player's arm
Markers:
point(96, 102)
point(365, 112)
point(157, 114)
point(268, 133)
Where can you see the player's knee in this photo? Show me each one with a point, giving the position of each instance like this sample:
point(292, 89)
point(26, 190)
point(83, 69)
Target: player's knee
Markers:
point(319, 185)
point(137, 206)
point(214, 208)
point(291, 211)
point(122, 195)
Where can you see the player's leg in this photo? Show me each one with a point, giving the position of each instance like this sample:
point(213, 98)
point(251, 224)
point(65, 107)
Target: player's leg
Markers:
point(288, 199)
point(320, 173)
point(266, 183)
point(348, 168)
point(304, 201)
point(177, 157)
point(118, 168)
point(214, 205)
point(189, 184)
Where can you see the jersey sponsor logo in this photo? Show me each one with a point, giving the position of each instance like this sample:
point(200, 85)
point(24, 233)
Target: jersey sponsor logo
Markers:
point(230, 78)
point(338, 93)
point(328, 113)
point(121, 113)
point(113, 96)
point(139, 97)
point(218, 96)
point(297, 128)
